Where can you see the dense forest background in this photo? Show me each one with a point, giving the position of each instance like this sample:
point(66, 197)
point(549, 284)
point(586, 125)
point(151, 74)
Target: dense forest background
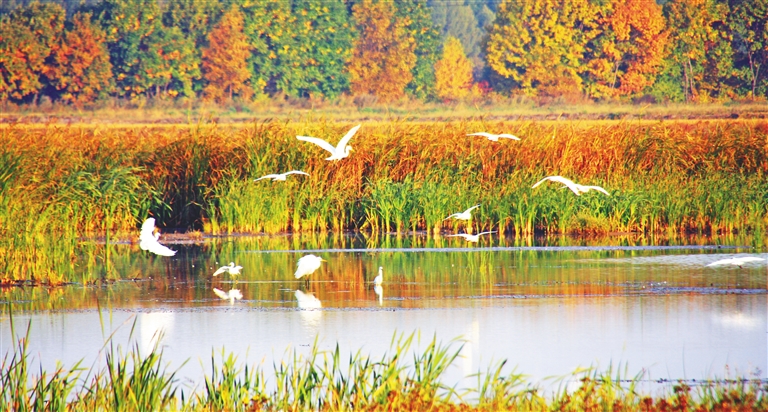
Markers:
point(382, 51)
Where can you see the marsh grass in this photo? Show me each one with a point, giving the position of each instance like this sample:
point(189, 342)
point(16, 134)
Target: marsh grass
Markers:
point(324, 380)
point(664, 177)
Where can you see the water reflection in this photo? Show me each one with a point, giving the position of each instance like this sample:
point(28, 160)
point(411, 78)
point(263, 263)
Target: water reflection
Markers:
point(230, 295)
point(379, 291)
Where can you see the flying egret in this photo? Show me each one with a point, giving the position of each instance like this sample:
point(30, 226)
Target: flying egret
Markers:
point(380, 278)
point(307, 301)
point(340, 151)
point(575, 187)
point(495, 137)
point(737, 261)
point(231, 295)
point(465, 215)
point(307, 265)
point(231, 269)
point(148, 239)
point(281, 176)
point(471, 238)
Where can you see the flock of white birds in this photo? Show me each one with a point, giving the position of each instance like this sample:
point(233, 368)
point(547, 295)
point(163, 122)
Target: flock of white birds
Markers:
point(308, 264)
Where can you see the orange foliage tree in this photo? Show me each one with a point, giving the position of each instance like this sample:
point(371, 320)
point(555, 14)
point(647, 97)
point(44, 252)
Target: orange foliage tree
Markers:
point(383, 57)
point(225, 59)
point(453, 72)
point(80, 69)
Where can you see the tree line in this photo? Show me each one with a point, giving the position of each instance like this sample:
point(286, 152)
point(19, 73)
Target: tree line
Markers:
point(384, 50)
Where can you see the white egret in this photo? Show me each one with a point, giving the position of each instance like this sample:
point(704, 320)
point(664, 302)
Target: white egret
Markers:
point(379, 291)
point(465, 215)
point(471, 238)
point(307, 265)
point(340, 151)
point(575, 187)
point(281, 176)
point(380, 278)
point(495, 137)
point(307, 301)
point(231, 269)
point(148, 239)
point(737, 261)
point(231, 295)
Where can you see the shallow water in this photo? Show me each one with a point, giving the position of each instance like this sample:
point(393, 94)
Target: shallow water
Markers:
point(546, 307)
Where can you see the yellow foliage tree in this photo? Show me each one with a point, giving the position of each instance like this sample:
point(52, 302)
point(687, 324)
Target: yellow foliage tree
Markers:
point(383, 57)
point(627, 55)
point(225, 59)
point(453, 72)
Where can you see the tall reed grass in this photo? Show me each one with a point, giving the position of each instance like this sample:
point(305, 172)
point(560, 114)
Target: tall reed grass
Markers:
point(664, 177)
point(404, 379)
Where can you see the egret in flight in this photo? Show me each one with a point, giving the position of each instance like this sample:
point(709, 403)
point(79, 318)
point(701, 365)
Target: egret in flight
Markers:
point(575, 187)
point(340, 151)
point(280, 177)
point(495, 137)
point(231, 295)
point(149, 240)
point(380, 278)
point(737, 261)
point(472, 238)
point(307, 265)
point(465, 215)
point(231, 269)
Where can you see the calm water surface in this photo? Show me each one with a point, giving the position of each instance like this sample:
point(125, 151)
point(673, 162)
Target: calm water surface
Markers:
point(548, 308)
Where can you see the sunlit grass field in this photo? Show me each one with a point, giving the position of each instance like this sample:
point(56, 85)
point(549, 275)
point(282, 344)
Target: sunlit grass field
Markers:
point(100, 181)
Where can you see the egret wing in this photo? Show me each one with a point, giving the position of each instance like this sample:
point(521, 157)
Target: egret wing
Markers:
point(220, 293)
point(272, 176)
point(158, 249)
point(484, 134)
point(220, 270)
point(296, 172)
point(344, 140)
point(320, 142)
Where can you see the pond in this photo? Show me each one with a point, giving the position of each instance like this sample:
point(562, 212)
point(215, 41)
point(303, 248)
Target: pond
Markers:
point(546, 306)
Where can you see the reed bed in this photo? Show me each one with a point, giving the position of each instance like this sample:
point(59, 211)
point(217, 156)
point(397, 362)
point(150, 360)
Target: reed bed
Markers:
point(402, 379)
point(664, 177)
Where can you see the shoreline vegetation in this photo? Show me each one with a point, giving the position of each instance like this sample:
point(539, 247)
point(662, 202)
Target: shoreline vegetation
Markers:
point(93, 180)
point(129, 380)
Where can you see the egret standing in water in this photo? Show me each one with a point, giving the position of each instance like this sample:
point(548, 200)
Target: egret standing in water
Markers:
point(380, 278)
point(340, 151)
point(495, 137)
point(575, 187)
point(149, 240)
point(307, 265)
point(231, 269)
point(280, 177)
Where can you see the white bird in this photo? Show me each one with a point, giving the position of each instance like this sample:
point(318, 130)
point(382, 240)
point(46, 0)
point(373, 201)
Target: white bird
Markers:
point(380, 278)
point(495, 137)
point(281, 176)
point(738, 261)
point(471, 238)
point(231, 269)
point(340, 151)
point(379, 291)
point(307, 300)
point(307, 265)
point(231, 295)
point(465, 215)
point(575, 187)
point(148, 239)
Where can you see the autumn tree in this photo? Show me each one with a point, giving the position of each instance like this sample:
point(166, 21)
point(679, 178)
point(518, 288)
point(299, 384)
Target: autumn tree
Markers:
point(453, 72)
point(320, 46)
point(416, 19)
point(749, 23)
point(170, 63)
point(700, 59)
point(383, 56)
point(540, 45)
point(225, 59)
point(458, 20)
point(626, 55)
point(79, 68)
point(268, 31)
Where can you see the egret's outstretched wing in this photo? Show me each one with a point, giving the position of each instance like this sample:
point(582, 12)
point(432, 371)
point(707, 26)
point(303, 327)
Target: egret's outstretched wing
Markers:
point(484, 134)
point(147, 229)
point(296, 172)
point(320, 142)
point(159, 249)
point(471, 208)
point(508, 136)
point(567, 182)
point(220, 270)
point(344, 140)
point(272, 176)
point(486, 233)
point(464, 235)
point(598, 188)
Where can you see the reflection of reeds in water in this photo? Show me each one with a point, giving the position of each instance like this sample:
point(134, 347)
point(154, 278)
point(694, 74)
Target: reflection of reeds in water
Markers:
point(323, 380)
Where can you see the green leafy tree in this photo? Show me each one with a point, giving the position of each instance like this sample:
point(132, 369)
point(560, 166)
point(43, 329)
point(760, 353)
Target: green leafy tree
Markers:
point(749, 23)
point(417, 23)
point(321, 44)
point(383, 57)
point(453, 72)
point(458, 20)
point(225, 59)
point(268, 31)
point(171, 63)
